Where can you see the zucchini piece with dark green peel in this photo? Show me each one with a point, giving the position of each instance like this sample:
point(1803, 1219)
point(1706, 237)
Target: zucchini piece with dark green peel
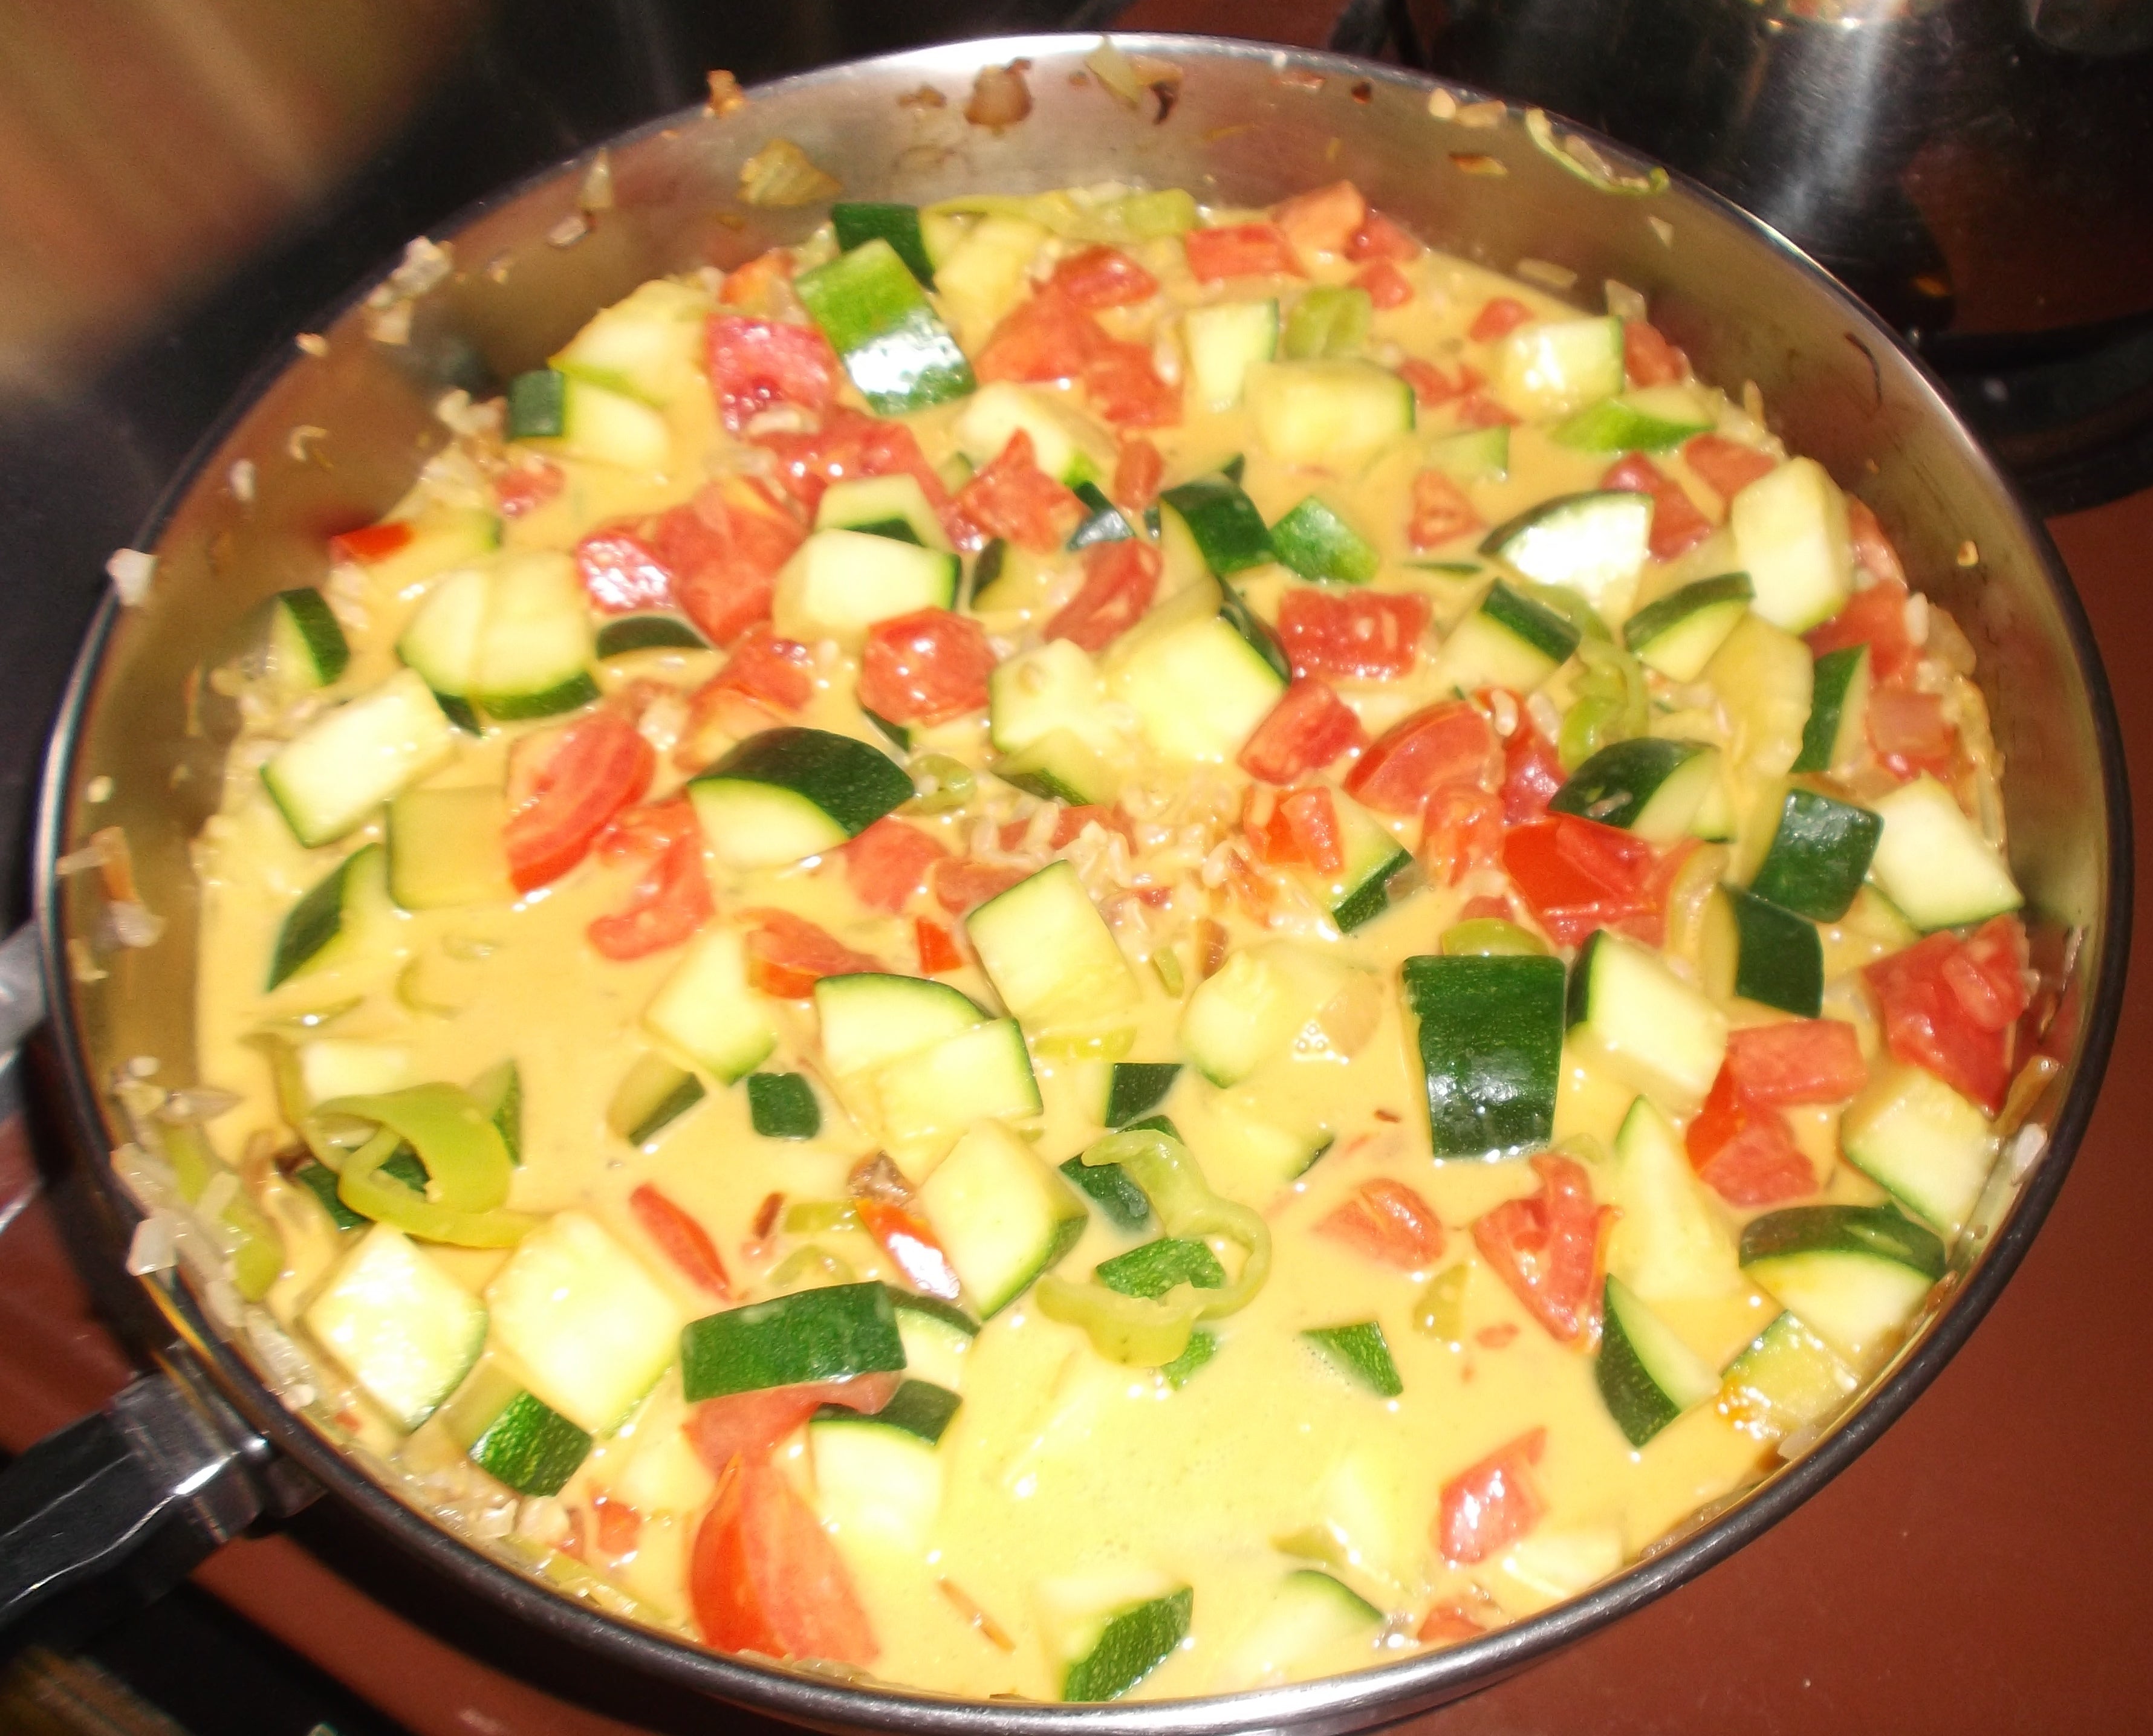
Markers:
point(893, 506)
point(1855, 1275)
point(530, 1447)
point(828, 1334)
point(629, 633)
point(1102, 521)
point(898, 735)
point(1202, 1347)
point(1230, 532)
point(1111, 1189)
point(782, 1106)
point(1586, 542)
point(1255, 632)
point(1837, 734)
point(859, 221)
point(1932, 1150)
point(892, 343)
point(1647, 1377)
point(1316, 543)
point(1677, 634)
point(1120, 1646)
point(1359, 1351)
point(1061, 766)
point(790, 793)
point(1329, 321)
point(1155, 1267)
point(652, 1095)
point(1648, 786)
point(332, 921)
point(1649, 419)
point(1490, 1042)
point(1472, 455)
point(938, 1337)
point(584, 419)
point(1778, 956)
point(1819, 855)
point(1135, 1089)
point(498, 1092)
point(302, 644)
point(1509, 641)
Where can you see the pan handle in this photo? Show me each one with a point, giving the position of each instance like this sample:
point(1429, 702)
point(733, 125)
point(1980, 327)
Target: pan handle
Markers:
point(112, 1511)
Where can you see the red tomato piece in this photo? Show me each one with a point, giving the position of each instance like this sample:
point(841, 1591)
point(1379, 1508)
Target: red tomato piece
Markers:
point(1462, 829)
point(1375, 635)
point(1138, 473)
point(1431, 386)
point(1546, 1248)
point(1048, 337)
point(889, 862)
point(1103, 277)
point(1909, 730)
point(754, 363)
point(681, 1239)
point(1726, 466)
point(1387, 286)
point(724, 553)
point(1872, 548)
point(1485, 1509)
point(850, 444)
point(938, 949)
point(1448, 743)
point(1801, 1060)
point(1447, 1624)
point(781, 672)
point(749, 1425)
point(1240, 250)
point(1125, 387)
point(622, 573)
point(1948, 1006)
point(1575, 879)
point(1648, 359)
point(1477, 409)
point(1308, 728)
point(1120, 580)
point(912, 1247)
point(1875, 617)
point(1072, 820)
point(618, 1525)
point(528, 485)
point(1742, 1150)
point(1678, 523)
point(1012, 497)
point(669, 903)
point(1501, 316)
point(369, 543)
point(1302, 827)
point(788, 955)
point(1388, 1222)
point(1531, 773)
point(1440, 511)
point(588, 773)
point(648, 831)
point(765, 1577)
point(758, 282)
point(925, 666)
point(962, 885)
point(1324, 220)
point(1379, 238)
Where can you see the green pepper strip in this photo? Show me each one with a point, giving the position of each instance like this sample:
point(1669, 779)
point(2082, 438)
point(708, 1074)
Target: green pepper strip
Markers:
point(467, 1167)
point(1612, 704)
point(1134, 1329)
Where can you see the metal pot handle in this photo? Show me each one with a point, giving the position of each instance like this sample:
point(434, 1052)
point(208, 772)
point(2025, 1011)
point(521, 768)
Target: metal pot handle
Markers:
point(112, 1511)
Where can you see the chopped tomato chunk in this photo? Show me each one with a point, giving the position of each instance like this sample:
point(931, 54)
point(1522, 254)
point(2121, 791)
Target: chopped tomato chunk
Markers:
point(889, 862)
point(1072, 820)
point(1431, 386)
point(1872, 548)
point(1013, 498)
point(1047, 338)
point(1531, 773)
point(572, 782)
point(1801, 1060)
point(765, 1577)
point(1103, 277)
point(938, 947)
point(617, 1523)
point(1909, 730)
point(1678, 523)
point(1485, 1509)
point(1301, 828)
point(370, 542)
point(1875, 617)
point(1126, 388)
point(1324, 220)
point(758, 282)
point(1546, 1248)
point(1439, 512)
point(1462, 829)
point(1240, 250)
point(649, 831)
point(1308, 728)
point(1477, 409)
point(925, 666)
point(748, 1425)
point(904, 1236)
point(724, 549)
point(1648, 359)
point(1120, 580)
point(1726, 466)
point(850, 444)
point(681, 1239)
point(1578, 876)
point(669, 903)
point(1742, 1150)
point(1448, 743)
point(1138, 473)
point(788, 955)
point(527, 485)
point(1446, 1624)
point(1389, 1222)
point(1379, 238)
point(623, 574)
point(757, 362)
point(1372, 634)
point(1387, 286)
point(1502, 316)
point(1948, 1005)
point(962, 884)
point(779, 671)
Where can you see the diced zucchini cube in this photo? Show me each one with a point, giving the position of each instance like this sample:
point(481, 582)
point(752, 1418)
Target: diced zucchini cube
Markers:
point(404, 1329)
point(1001, 1214)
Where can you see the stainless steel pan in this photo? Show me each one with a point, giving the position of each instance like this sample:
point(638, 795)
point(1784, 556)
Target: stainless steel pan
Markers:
point(331, 441)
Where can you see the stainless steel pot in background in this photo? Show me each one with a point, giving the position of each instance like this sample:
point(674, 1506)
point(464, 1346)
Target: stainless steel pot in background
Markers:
point(234, 1441)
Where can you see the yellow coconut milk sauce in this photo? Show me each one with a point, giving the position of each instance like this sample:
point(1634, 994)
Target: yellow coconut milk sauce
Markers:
point(1075, 1487)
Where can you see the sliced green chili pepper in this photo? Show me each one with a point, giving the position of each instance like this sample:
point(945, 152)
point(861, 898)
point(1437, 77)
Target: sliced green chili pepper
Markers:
point(1134, 1329)
point(366, 1190)
point(466, 1160)
point(1612, 704)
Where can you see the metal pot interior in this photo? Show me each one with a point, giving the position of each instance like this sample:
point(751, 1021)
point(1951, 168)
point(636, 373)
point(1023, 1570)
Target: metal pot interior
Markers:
point(333, 440)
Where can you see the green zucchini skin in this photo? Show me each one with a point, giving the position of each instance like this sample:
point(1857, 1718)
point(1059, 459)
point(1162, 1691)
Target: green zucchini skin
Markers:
point(1230, 532)
point(1490, 1043)
point(1779, 957)
point(1359, 1351)
point(1316, 543)
point(530, 1447)
point(782, 1106)
point(1819, 855)
point(829, 1334)
point(852, 783)
point(1134, 1089)
point(1881, 1232)
point(892, 343)
point(859, 221)
point(1616, 783)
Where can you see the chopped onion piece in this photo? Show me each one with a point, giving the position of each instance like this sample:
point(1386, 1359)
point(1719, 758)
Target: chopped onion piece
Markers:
point(782, 175)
